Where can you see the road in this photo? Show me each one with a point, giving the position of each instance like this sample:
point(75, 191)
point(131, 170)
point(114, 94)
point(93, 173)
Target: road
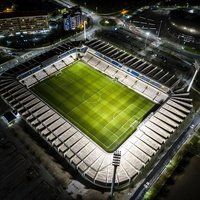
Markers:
point(94, 18)
point(157, 170)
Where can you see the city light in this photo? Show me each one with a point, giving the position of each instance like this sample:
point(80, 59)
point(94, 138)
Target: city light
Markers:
point(124, 12)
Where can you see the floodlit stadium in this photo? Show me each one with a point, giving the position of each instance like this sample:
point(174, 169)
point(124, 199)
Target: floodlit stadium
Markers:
point(88, 101)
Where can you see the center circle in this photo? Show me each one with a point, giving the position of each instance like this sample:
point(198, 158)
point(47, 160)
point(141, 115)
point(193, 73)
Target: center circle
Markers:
point(91, 98)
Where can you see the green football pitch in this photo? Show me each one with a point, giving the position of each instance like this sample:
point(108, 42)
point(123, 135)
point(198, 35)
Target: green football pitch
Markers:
point(102, 108)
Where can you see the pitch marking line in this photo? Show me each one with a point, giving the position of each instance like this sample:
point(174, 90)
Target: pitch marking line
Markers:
point(84, 95)
point(85, 100)
point(116, 139)
point(75, 126)
point(125, 129)
point(123, 111)
point(118, 113)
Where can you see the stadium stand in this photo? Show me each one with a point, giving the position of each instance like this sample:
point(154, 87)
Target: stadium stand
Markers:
point(183, 102)
point(152, 134)
point(111, 71)
point(166, 119)
point(50, 69)
point(60, 64)
point(73, 145)
point(161, 77)
point(162, 124)
point(40, 75)
point(128, 79)
point(29, 81)
point(174, 110)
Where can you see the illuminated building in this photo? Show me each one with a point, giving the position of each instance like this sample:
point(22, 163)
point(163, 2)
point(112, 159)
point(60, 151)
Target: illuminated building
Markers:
point(29, 22)
point(72, 19)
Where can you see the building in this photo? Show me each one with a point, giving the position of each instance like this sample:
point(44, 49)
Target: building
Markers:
point(10, 117)
point(72, 19)
point(184, 27)
point(29, 22)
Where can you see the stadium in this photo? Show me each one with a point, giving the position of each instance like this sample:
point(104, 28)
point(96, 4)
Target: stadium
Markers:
point(183, 26)
point(89, 100)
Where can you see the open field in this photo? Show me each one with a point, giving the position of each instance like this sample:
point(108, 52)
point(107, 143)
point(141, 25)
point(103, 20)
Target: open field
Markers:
point(105, 110)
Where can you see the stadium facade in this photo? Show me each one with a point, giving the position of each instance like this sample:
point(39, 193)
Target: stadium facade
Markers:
point(174, 107)
point(184, 26)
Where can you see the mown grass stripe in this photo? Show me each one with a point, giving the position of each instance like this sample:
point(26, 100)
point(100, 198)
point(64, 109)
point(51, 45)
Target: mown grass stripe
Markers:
point(99, 106)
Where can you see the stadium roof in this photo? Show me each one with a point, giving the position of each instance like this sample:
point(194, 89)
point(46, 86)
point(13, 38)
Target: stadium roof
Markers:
point(185, 22)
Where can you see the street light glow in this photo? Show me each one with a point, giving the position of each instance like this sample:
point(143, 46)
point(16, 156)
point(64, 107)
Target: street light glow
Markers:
point(147, 33)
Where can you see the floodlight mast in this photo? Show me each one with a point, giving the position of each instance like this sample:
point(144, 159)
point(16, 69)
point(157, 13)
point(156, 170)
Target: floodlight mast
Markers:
point(115, 163)
point(196, 65)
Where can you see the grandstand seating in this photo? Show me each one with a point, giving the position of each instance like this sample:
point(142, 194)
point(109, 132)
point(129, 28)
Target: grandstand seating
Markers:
point(178, 106)
point(157, 129)
point(174, 110)
point(50, 69)
point(162, 124)
point(139, 134)
point(171, 115)
point(161, 77)
point(140, 86)
point(93, 61)
point(152, 134)
point(166, 119)
point(60, 64)
point(87, 57)
point(102, 66)
point(111, 71)
point(126, 78)
point(183, 102)
point(151, 92)
point(40, 75)
point(120, 75)
point(29, 81)
point(129, 81)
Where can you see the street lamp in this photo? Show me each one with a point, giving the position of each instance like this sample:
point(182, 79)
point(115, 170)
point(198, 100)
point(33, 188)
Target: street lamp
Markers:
point(147, 35)
point(85, 30)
